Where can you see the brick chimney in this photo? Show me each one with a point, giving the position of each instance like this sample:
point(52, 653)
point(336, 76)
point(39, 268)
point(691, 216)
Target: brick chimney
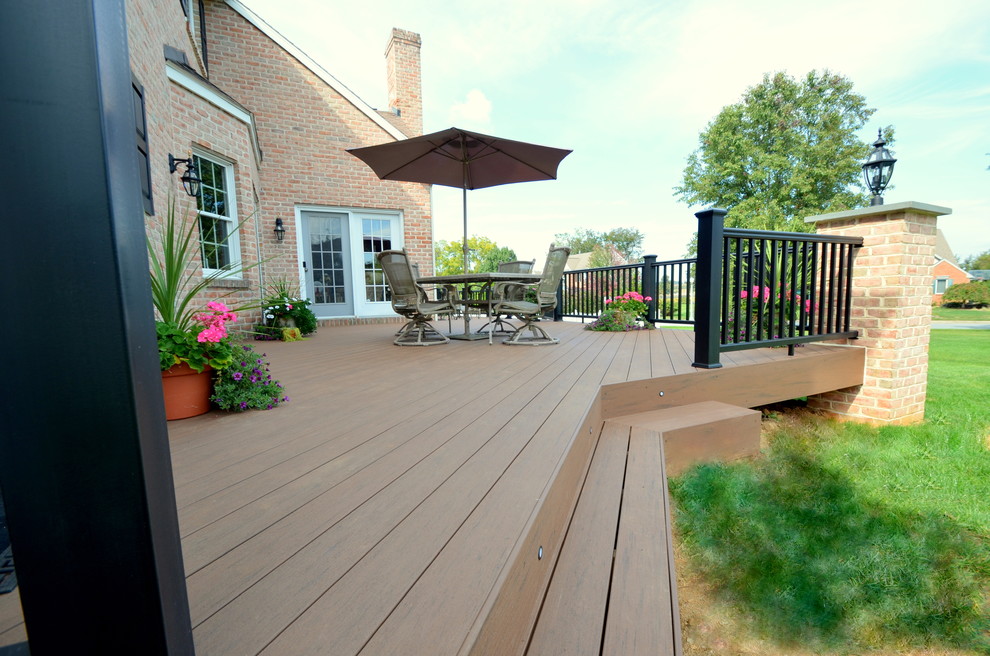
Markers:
point(405, 94)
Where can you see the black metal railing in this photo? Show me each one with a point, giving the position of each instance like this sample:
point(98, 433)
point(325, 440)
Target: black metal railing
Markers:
point(759, 288)
point(582, 293)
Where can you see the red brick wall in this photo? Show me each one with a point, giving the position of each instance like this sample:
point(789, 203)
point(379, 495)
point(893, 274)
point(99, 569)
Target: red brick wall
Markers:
point(305, 127)
point(177, 121)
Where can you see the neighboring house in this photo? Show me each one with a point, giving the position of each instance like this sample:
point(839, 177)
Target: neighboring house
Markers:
point(947, 271)
point(980, 274)
point(268, 130)
point(583, 260)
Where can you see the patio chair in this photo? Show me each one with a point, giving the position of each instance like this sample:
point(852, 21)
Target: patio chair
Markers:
point(409, 299)
point(432, 292)
point(531, 311)
point(520, 266)
point(512, 291)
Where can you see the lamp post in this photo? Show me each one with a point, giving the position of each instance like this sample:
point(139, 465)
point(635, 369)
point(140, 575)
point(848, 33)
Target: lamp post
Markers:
point(877, 169)
point(279, 229)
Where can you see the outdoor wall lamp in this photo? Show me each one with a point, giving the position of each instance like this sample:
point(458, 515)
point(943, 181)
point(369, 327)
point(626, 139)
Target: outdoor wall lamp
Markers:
point(190, 178)
point(877, 169)
point(279, 230)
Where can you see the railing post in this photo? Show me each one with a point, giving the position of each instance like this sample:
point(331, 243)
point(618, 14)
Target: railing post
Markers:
point(708, 296)
point(650, 286)
point(558, 310)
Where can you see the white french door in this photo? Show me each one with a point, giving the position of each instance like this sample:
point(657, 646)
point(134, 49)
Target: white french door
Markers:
point(337, 251)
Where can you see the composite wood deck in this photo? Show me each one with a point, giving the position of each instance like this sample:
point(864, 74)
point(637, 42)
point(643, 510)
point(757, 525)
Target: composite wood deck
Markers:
point(387, 508)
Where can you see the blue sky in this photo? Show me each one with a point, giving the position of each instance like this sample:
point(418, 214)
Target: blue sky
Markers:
point(629, 84)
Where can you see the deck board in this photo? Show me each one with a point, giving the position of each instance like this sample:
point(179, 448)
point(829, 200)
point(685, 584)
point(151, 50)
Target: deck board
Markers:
point(382, 508)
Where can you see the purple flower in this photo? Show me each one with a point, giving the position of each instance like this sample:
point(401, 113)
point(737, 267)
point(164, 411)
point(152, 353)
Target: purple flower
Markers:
point(243, 405)
point(237, 375)
point(246, 348)
point(254, 379)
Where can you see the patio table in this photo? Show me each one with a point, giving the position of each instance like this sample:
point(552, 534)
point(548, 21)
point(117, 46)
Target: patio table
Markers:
point(485, 280)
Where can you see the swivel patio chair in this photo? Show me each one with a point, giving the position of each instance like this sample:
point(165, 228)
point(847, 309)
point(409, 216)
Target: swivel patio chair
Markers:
point(529, 311)
point(521, 266)
point(409, 299)
point(513, 291)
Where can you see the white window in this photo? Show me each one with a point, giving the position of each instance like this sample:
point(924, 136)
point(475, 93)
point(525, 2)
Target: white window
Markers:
point(217, 213)
point(941, 284)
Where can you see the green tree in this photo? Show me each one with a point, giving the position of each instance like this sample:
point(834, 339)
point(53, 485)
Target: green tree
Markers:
point(628, 241)
point(788, 150)
point(981, 261)
point(485, 256)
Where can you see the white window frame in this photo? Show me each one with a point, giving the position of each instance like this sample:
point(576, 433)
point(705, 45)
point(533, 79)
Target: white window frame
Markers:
point(233, 241)
point(945, 283)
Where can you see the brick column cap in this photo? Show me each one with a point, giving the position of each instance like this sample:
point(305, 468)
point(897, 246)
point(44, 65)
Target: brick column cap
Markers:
point(875, 210)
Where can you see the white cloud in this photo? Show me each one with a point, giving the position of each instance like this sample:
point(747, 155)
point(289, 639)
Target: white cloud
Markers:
point(476, 110)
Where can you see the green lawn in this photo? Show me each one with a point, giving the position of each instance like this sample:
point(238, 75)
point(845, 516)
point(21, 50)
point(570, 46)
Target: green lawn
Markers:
point(959, 314)
point(846, 538)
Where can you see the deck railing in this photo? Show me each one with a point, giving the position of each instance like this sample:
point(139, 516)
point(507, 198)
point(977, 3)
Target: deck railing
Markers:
point(747, 288)
point(759, 288)
point(583, 292)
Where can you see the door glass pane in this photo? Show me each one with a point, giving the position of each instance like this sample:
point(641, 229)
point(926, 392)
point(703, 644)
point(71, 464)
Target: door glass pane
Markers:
point(377, 237)
point(326, 241)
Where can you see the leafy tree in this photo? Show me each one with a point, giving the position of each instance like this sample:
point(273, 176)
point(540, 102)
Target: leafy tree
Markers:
point(628, 241)
point(787, 150)
point(981, 261)
point(485, 256)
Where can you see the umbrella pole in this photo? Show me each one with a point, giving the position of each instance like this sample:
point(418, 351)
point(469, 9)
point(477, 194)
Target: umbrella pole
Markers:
point(464, 217)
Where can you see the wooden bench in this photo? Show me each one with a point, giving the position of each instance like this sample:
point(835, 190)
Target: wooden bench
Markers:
point(613, 590)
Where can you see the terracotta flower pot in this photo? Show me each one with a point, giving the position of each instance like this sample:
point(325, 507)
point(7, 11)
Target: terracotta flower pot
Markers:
point(187, 391)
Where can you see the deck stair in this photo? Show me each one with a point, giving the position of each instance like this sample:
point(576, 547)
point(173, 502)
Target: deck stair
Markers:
point(613, 590)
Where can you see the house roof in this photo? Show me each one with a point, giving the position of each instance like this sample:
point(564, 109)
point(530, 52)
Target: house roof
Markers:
point(942, 250)
point(315, 68)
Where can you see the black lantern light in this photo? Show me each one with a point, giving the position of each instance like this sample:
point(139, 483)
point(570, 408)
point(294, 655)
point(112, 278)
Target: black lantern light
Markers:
point(877, 169)
point(190, 178)
point(279, 230)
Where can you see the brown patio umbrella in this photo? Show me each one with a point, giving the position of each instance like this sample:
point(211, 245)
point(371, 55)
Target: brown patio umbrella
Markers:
point(458, 158)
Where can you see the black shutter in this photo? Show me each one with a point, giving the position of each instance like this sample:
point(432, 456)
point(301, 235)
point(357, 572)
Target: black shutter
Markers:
point(144, 161)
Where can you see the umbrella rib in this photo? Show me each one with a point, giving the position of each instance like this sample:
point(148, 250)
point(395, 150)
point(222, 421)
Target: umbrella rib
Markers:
point(436, 150)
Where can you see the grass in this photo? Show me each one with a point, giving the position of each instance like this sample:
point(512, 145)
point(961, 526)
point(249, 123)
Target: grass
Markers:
point(846, 538)
point(959, 314)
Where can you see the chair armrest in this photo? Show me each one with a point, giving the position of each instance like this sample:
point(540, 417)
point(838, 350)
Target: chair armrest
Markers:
point(498, 288)
point(452, 293)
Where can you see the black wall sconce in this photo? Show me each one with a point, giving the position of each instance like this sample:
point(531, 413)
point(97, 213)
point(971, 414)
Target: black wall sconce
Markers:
point(878, 168)
point(279, 230)
point(190, 178)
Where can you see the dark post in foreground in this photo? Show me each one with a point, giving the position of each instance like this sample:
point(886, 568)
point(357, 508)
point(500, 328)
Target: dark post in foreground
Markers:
point(708, 289)
point(650, 286)
point(84, 458)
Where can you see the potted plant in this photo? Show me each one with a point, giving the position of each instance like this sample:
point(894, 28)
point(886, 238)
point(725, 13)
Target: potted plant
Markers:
point(192, 340)
point(286, 313)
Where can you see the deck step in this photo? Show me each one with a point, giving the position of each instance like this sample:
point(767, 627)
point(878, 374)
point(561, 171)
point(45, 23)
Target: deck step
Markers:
point(700, 432)
point(613, 589)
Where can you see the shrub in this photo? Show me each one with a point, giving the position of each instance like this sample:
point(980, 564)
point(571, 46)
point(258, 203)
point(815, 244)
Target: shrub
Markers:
point(969, 294)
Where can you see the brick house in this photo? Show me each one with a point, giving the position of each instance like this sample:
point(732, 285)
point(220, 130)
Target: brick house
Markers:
point(946, 271)
point(268, 129)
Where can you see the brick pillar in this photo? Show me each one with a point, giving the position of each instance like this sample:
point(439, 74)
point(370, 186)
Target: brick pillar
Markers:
point(405, 88)
point(891, 309)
